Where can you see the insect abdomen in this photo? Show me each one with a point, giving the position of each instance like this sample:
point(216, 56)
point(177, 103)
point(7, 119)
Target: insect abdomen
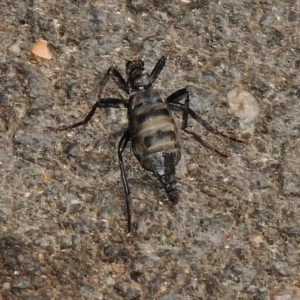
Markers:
point(155, 138)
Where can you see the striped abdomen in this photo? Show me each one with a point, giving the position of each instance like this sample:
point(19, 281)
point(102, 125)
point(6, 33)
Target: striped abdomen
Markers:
point(155, 137)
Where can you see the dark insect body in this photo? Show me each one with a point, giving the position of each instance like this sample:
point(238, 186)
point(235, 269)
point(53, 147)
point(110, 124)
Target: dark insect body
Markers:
point(154, 136)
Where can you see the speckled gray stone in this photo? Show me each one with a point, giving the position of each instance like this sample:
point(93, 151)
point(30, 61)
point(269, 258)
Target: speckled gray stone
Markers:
point(62, 209)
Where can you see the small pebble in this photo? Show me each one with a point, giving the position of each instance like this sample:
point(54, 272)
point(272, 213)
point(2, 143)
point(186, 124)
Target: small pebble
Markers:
point(15, 49)
point(40, 49)
point(243, 105)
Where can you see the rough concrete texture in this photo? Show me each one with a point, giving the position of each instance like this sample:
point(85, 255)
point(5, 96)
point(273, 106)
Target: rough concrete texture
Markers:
point(234, 234)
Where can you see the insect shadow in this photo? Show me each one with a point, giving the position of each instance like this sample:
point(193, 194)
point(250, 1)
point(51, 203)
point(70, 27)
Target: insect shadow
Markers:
point(154, 136)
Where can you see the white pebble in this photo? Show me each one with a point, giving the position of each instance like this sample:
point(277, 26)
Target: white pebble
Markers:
point(243, 105)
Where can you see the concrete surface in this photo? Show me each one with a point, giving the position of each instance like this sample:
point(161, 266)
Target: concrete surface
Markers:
point(234, 234)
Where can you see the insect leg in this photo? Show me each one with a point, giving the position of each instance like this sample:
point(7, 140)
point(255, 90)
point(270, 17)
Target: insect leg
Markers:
point(180, 107)
point(117, 78)
point(174, 101)
point(158, 68)
point(204, 144)
point(106, 102)
point(175, 98)
point(122, 145)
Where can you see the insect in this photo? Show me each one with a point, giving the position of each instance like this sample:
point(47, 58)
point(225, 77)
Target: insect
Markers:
point(154, 136)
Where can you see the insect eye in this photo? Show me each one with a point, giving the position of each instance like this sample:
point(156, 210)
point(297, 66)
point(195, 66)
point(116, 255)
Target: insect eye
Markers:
point(128, 64)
